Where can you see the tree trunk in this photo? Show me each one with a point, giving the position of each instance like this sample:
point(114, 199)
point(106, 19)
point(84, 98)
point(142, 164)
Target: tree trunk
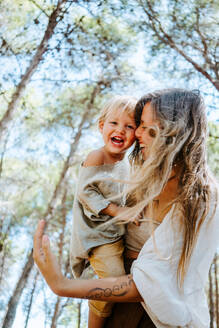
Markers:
point(79, 314)
point(163, 36)
point(3, 153)
point(211, 300)
point(31, 299)
point(53, 20)
point(56, 313)
point(14, 300)
point(57, 310)
point(12, 306)
point(49, 213)
point(3, 241)
point(216, 290)
point(55, 17)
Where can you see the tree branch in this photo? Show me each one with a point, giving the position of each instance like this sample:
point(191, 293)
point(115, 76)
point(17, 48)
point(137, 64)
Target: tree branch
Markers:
point(39, 7)
point(53, 21)
point(167, 39)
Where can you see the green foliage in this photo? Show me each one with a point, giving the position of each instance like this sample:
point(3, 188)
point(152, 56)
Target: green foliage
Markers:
point(71, 311)
point(181, 37)
point(88, 60)
point(20, 25)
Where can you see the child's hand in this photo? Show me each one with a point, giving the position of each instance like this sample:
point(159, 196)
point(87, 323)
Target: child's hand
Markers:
point(136, 220)
point(115, 210)
point(122, 210)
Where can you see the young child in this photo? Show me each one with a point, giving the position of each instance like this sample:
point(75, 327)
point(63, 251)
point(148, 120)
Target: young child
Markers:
point(101, 244)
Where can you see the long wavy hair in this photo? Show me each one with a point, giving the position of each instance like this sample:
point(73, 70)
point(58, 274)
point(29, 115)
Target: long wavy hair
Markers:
point(179, 141)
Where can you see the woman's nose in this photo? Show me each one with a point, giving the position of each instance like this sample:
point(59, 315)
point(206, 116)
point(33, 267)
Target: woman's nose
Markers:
point(138, 132)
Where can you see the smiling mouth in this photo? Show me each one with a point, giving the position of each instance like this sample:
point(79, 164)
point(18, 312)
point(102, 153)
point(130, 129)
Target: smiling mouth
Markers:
point(117, 140)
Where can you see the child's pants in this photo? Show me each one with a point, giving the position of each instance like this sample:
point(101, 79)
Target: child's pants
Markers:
point(107, 261)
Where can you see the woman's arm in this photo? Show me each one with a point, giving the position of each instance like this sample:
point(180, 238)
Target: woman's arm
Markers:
point(118, 289)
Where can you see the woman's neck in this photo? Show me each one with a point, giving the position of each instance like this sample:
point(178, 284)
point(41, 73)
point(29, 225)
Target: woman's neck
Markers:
point(162, 203)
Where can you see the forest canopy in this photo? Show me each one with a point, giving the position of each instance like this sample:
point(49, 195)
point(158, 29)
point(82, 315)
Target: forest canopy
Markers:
point(60, 61)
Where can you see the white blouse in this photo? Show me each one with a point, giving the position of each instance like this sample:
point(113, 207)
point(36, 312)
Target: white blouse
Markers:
point(155, 274)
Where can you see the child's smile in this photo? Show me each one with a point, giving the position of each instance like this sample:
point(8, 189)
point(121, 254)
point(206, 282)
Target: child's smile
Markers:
point(117, 141)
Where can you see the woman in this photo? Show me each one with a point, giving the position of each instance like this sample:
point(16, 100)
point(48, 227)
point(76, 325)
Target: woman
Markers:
point(171, 186)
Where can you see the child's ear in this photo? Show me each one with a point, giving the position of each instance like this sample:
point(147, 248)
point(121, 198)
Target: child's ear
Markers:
point(101, 124)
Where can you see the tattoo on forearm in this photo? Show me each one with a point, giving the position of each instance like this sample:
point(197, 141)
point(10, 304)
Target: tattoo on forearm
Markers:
point(117, 290)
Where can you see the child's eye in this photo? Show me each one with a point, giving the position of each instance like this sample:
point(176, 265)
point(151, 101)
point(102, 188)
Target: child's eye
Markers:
point(130, 127)
point(113, 122)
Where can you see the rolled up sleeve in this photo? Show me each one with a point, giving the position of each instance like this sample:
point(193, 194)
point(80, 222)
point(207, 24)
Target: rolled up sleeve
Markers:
point(89, 192)
point(92, 201)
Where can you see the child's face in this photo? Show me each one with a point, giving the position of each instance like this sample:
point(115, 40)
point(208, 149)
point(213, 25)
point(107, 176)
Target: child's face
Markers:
point(118, 131)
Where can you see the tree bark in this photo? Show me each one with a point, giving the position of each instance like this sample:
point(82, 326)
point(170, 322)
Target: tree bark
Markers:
point(211, 299)
point(14, 299)
point(79, 314)
point(56, 313)
point(69, 160)
point(31, 299)
point(3, 241)
point(216, 290)
point(12, 306)
point(54, 19)
point(3, 153)
point(163, 36)
point(57, 310)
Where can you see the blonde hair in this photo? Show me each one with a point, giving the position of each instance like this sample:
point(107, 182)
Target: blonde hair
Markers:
point(180, 140)
point(122, 103)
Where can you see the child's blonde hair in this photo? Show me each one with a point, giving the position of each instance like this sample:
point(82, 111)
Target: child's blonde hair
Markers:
point(123, 103)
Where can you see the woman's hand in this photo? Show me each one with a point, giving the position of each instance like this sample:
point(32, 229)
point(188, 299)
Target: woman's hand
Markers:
point(117, 289)
point(46, 260)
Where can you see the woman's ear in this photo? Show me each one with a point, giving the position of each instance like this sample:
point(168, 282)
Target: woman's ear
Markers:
point(101, 124)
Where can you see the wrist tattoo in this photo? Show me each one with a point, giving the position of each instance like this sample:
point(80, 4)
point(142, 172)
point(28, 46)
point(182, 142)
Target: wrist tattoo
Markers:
point(118, 290)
